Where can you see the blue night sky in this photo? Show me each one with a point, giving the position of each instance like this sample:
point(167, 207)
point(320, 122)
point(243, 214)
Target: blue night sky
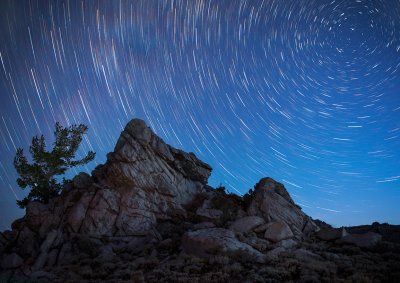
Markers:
point(306, 92)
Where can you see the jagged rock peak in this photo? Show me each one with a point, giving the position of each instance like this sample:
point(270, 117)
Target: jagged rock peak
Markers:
point(138, 129)
point(270, 184)
point(271, 201)
point(140, 147)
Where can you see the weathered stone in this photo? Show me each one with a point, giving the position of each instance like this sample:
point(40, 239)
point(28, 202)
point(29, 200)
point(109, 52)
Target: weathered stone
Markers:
point(365, 240)
point(209, 213)
point(82, 181)
point(150, 181)
point(138, 142)
point(205, 242)
point(51, 236)
point(44, 248)
point(270, 184)
point(331, 234)
point(251, 239)
point(272, 202)
point(203, 225)
point(261, 228)
point(128, 216)
point(101, 214)
point(246, 224)
point(310, 227)
point(77, 214)
point(66, 255)
point(129, 244)
point(106, 254)
point(28, 242)
point(36, 213)
point(138, 129)
point(11, 261)
point(278, 231)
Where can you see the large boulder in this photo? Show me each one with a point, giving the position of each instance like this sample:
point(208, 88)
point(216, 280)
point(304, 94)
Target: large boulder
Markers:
point(206, 242)
point(278, 231)
point(209, 213)
point(271, 201)
point(246, 224)
point(82, 180)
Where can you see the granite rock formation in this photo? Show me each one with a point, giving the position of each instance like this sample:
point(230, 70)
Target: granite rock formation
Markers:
point(148, 215)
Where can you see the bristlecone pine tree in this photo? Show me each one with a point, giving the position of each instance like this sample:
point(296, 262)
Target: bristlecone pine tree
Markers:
point(40, 176)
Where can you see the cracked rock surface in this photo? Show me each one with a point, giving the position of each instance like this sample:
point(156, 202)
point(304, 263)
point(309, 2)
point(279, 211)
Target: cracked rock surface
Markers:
point(148, 215)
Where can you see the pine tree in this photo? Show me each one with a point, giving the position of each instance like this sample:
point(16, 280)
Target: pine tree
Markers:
point(41, 174)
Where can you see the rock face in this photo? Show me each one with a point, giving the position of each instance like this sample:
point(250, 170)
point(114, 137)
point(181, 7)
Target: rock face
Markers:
point(148, 215)
point(143, 180)
point(247, 224)
point(278, 231)
point(205, 242)
point(272, 202)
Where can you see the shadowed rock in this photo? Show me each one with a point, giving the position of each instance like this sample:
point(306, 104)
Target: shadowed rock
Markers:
point(147, 215)
point(272, 202)
point(206, 242)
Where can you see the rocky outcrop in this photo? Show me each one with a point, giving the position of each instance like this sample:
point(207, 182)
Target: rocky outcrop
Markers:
point(271, 201)
point(143, 180)
point(148, 215)
point(246, 224)
point(206, 242)
point(278, 231)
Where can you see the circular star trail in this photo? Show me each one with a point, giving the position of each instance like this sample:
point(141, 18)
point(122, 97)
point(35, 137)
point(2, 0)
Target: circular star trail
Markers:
point(305, 92)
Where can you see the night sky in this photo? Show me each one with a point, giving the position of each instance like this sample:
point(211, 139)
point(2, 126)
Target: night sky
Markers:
point(306, 92)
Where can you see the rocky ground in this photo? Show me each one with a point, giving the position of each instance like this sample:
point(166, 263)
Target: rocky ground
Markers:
point(148, 215)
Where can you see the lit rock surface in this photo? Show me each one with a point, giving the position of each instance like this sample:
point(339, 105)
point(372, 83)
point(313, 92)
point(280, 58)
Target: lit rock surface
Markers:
point(246, 224)
point(206, 242)
point(278, 231)
point(148, 215)
point(272, 202)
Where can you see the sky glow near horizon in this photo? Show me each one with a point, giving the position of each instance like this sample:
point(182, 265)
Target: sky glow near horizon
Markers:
point(306, 92)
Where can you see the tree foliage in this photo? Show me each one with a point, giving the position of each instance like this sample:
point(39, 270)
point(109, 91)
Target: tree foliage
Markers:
point(40, 175)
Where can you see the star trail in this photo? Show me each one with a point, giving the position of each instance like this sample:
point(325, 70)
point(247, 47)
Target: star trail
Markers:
point(306, 92)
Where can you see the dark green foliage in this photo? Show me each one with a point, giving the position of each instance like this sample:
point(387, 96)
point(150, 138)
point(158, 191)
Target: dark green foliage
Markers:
point(40, 175)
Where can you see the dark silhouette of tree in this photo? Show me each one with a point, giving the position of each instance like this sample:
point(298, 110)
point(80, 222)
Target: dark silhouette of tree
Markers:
point(41, 174)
